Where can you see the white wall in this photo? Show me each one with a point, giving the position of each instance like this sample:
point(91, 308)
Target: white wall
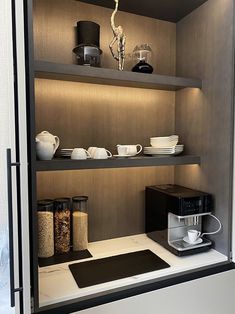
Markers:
point(209, 295)
point(6, 139)
point(6, 100)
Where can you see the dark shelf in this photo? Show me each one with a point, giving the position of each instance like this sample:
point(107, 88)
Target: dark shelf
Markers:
point(142, 161)
point(168, 10)
point(78, 73)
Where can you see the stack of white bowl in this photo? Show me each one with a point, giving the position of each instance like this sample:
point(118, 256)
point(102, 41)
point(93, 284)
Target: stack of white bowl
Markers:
point(164, 146)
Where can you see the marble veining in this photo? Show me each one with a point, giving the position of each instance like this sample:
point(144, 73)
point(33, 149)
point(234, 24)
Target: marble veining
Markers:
point(52, 278)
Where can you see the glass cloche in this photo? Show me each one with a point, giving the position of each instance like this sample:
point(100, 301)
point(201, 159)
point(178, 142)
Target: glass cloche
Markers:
point(142, 54)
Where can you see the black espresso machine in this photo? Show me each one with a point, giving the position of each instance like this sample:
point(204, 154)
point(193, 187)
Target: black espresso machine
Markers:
point(172, 210)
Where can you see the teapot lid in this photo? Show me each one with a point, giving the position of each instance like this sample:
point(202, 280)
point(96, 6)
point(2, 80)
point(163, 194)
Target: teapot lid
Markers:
point(45, 132)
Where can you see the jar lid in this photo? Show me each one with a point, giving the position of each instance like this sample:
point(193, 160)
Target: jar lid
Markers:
point(62, 203)
point(62, 199)
point(80, 198)
point(45, 204)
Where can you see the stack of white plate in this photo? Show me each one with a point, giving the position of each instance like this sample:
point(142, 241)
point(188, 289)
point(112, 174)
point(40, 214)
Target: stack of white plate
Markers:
point(164, 142)
point(66, 152)
point(164, 151)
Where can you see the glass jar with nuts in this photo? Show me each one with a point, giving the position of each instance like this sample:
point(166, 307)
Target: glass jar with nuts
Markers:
point(62, 225)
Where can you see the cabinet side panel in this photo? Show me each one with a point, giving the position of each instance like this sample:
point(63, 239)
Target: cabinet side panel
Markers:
point(204, 118)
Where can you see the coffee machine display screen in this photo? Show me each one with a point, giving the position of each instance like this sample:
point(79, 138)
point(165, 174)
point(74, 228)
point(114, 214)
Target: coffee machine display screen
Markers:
point(192, 205)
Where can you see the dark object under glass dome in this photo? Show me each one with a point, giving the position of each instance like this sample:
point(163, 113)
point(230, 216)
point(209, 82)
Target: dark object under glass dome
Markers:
point(142, 54)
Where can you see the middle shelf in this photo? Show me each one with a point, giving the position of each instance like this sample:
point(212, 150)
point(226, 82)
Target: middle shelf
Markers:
point(142, 161)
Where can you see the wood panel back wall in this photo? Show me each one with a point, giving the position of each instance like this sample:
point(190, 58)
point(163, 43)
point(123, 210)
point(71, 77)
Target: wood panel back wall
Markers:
point(84, 115)
point(55, 33)
point(94, 115)
point(116, 196)
point(104, 116)
point(204, 119)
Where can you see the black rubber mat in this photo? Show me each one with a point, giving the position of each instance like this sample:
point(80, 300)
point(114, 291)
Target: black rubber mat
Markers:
point(115, 267)
point(63, 258)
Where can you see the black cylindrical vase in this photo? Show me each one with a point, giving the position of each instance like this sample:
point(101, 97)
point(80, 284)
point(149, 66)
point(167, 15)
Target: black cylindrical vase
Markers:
point(88, 33)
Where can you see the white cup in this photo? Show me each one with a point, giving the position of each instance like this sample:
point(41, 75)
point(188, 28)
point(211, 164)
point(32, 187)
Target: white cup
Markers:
point(130, 150)
point(101, 153)
point(122, 150)
point(80, 153)
point(92, 150)
point(193, 235)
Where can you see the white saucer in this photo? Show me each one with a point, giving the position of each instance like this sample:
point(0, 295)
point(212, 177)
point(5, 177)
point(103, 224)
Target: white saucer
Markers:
point(123, 156)
point(66, 149)
point(198, 241)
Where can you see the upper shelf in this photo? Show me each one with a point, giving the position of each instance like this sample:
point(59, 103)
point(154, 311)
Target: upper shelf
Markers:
point(168, 10)
point(78, 73)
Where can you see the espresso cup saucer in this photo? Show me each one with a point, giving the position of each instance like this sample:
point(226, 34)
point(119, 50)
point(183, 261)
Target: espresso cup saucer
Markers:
point(198, 241)
point(123, 156)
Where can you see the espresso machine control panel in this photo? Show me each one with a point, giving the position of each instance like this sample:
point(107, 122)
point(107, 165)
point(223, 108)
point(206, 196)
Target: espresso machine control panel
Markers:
point(171, 211)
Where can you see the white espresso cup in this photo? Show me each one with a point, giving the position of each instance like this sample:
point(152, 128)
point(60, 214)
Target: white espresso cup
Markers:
point(130, 150)
point(122, 150)
point(193, 235)
point(80, 153)
point(101, 153)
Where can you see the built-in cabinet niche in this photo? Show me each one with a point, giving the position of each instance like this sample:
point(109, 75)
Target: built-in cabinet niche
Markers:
point(84, 115)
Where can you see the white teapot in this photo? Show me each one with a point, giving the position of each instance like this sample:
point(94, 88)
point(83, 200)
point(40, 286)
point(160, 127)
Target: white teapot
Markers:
point(46, 145)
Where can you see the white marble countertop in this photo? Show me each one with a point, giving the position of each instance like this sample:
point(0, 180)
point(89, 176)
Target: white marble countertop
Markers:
point(56, 282)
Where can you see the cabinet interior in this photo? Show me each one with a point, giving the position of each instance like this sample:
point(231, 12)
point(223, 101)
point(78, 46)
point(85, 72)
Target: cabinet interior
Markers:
point(84, 114)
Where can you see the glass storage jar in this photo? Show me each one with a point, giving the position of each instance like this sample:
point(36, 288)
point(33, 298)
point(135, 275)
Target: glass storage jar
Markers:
point(80, 223)
point(62, 225)
point(88, 55)
point(45, 228)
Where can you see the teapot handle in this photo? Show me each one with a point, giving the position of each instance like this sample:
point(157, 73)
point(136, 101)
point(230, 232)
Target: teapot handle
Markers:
point(57, 143)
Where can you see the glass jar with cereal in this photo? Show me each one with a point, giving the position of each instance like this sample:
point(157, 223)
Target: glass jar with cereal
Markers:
point(80, 223)
point(45, 228)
